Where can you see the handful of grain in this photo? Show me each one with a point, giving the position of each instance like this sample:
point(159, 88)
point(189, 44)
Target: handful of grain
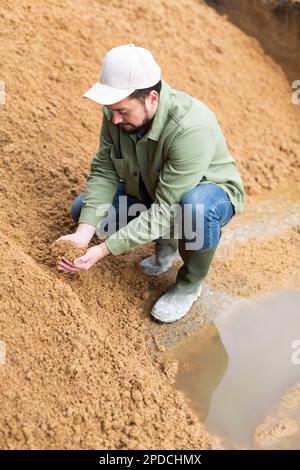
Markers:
point(66, 249)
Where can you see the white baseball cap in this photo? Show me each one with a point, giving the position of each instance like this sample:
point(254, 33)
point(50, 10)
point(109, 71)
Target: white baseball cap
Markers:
point(125, 69)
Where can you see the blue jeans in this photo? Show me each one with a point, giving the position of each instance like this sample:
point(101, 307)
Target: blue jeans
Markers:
point(217, 210)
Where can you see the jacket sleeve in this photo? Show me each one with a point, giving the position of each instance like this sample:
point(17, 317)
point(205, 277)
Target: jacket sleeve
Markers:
point(102, 182)
point(189, 156)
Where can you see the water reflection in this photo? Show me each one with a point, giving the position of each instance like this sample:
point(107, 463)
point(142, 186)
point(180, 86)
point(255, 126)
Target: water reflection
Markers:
point(235, 371)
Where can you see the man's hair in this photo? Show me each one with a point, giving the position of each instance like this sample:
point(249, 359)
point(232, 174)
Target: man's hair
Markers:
point(142, 94)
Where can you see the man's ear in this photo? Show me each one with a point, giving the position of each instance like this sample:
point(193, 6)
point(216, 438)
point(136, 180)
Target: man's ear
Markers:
point(153, 97)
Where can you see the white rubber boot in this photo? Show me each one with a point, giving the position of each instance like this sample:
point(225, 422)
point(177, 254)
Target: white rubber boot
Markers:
point(177, 301)
point(153, 267)
point(174, 304)
point(165, 254)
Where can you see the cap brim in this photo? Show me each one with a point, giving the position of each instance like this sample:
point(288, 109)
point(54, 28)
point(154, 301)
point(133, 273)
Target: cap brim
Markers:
point(104, 94)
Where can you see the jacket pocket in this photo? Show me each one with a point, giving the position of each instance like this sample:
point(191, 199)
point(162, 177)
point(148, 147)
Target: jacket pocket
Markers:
point(119, 163)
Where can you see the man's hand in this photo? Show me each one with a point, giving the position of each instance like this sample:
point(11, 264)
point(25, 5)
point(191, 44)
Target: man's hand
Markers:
point(80, 240)
point(82, 236)
point(85, 262)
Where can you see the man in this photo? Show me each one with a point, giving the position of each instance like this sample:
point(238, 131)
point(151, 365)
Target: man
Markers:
point(164, 149)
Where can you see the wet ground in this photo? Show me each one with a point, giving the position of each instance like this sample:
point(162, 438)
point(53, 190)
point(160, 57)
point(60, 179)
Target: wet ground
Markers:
point(236, 371)
point(265, 215)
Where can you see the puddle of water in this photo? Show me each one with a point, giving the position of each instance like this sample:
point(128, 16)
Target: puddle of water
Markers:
point(235, 371)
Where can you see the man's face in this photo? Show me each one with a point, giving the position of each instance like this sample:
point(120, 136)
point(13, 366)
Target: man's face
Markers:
point(132, 115)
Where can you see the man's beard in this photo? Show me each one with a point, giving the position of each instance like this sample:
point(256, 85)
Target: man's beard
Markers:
point(142, 128)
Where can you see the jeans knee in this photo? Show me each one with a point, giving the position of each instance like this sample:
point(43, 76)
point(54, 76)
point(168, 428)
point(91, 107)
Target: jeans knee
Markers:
point(195, 211)
point(190, 198)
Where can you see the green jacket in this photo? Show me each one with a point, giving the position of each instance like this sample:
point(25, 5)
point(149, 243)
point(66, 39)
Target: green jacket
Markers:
point(183, 147)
